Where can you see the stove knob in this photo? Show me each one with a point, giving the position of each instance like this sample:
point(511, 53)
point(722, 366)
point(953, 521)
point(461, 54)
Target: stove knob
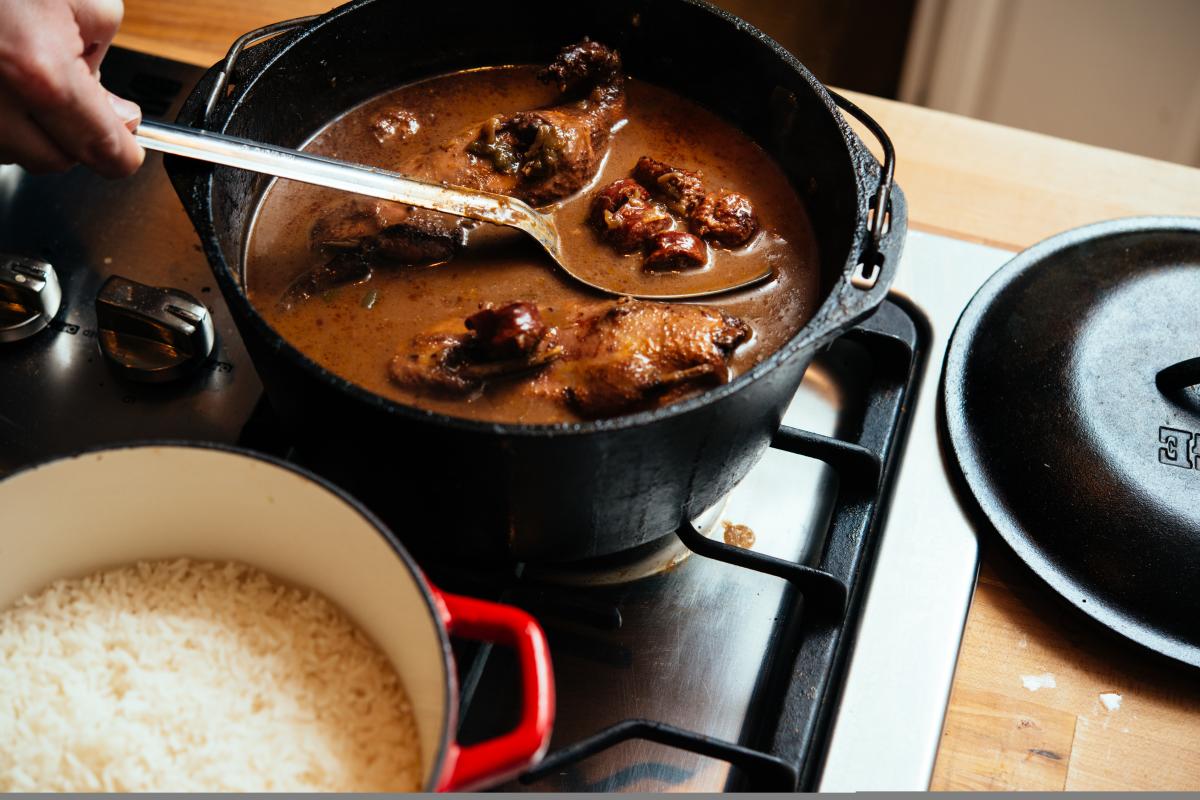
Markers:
point(153, 335)
point(29, 297)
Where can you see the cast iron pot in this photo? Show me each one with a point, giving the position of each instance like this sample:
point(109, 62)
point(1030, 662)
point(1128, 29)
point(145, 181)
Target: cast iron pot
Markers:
point(541, 492)
point(164, 501)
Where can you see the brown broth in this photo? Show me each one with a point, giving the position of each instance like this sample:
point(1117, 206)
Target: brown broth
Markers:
point(498, 266)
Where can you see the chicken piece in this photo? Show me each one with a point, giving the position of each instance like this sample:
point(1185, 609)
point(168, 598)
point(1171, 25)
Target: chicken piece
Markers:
point(535, 156)
point(344, 225)
point(632, 355)
point(432, 363)
point(387, 232)
point(682, 189)
point(612, 358)
point(422, 239)
point(673, 251)
point(543, 155)
point(588, 68)
point(624, 216)
point(724, 218)
point(499, 342)
point(358, 233)
point(342, 270)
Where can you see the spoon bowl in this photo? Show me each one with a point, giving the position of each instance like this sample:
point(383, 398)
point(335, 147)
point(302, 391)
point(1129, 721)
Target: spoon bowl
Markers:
point(497, 209)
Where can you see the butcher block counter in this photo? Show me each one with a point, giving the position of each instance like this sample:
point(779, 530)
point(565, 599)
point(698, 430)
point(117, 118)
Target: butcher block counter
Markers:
point(1043, 698)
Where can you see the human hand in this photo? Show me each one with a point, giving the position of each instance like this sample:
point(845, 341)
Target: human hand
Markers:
point(53, 111)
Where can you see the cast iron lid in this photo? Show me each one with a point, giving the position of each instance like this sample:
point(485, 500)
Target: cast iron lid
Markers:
point(1071, 404)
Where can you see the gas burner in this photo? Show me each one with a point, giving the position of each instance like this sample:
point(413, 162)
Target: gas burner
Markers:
point(653, 558)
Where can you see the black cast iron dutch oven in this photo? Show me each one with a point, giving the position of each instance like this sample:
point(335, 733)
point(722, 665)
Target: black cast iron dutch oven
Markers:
point(541, 492)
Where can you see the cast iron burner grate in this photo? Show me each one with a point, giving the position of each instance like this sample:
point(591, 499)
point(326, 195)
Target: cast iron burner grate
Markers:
point(782, 739)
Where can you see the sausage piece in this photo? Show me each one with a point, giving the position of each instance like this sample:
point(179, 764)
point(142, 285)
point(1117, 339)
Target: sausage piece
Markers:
point(510, 331)
point(675, 250)
point(682, 189)
point(624, 215)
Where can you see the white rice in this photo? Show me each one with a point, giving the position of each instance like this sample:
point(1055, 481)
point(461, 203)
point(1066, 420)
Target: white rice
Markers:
point(195, 676)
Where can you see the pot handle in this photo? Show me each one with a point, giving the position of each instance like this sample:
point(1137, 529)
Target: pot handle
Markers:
point(248, 39)
point(507, 755)
point(856, 295)
point(872, 257)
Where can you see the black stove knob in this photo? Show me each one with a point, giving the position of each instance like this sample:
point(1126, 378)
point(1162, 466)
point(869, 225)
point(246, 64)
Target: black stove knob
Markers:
point(153, 335)
point(29, 297)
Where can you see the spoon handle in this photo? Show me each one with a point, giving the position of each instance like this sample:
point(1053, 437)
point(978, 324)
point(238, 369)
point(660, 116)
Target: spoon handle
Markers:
point(231, 151)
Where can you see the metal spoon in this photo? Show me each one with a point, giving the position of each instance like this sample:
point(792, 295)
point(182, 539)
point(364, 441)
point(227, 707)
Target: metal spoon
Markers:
point(295, 165)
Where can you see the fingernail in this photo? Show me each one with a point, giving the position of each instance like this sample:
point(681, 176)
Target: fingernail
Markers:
point(126, 110)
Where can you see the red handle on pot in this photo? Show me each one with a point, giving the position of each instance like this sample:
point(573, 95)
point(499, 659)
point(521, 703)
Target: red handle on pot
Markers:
point(508, 755)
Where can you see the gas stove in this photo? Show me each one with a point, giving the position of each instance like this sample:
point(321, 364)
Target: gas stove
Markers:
point(813, 647)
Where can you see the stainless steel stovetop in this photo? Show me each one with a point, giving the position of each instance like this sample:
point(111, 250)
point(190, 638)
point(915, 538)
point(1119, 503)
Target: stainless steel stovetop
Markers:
point(689, 648)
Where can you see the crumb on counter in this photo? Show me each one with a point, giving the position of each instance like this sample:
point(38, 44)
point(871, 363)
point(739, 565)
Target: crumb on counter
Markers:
point(738, 535)
point(1035, 682)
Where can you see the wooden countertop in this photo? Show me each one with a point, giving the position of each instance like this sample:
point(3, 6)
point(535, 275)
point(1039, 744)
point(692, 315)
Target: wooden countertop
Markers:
point(982, 182)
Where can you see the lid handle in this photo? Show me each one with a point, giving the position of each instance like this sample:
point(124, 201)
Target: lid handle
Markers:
point(1177, 377)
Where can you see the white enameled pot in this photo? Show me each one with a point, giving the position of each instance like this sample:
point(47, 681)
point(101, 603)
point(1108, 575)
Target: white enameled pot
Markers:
point(103, 509)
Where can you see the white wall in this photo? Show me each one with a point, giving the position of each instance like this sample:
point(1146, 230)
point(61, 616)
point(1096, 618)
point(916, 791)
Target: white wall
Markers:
point(1117, 73)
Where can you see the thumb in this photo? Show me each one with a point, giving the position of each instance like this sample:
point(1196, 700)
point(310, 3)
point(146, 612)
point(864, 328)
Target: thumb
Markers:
point(128, 111)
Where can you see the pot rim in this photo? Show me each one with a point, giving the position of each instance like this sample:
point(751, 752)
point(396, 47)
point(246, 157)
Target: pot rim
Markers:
point(450, 685)
point(803, 340)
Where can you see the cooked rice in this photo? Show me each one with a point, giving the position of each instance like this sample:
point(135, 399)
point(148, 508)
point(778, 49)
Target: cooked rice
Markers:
point(196, 676)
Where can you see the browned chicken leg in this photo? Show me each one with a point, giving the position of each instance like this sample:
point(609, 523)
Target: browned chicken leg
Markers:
point(611, 358)
point(388, 233)
point(634, 355)
point(359, 233)
point(500, 341)
point(547, 154)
